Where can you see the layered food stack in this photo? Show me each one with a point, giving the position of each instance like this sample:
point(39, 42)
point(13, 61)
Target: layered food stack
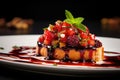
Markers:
point(69, 40)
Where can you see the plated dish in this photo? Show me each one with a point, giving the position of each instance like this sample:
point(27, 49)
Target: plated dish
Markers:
point(70, 41)
point(65, 48)
point(39, 65)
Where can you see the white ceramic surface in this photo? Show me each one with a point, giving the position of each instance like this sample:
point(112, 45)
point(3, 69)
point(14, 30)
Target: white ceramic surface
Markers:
point(110, 44)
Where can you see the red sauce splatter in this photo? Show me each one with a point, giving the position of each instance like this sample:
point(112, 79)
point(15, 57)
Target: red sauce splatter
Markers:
point(27, 54)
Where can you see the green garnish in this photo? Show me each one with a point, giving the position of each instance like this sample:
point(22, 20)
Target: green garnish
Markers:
point(16, 47)
point(1, 48)
point(55, 46)
point(75, 21)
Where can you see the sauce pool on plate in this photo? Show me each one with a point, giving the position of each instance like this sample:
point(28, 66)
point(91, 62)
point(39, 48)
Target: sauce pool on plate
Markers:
point(27, 54)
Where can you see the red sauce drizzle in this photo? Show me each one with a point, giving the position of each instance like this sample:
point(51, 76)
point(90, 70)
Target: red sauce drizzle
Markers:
point(27, 54)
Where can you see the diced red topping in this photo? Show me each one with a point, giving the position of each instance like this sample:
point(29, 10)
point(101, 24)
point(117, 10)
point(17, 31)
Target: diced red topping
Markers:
point(58, 27)
point(65, 24)
point(49, 36)
point(83, 35)
point(68, 34)
point(92, 36)
point(64, 39)
point(41, 39)
point(91, 42)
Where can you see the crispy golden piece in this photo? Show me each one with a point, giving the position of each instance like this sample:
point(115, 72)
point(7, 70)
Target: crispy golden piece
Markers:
point(95, 55)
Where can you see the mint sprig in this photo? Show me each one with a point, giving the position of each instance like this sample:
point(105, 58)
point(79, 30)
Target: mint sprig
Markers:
point(75, 21)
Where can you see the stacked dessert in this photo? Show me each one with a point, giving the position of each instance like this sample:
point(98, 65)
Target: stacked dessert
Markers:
point(69, 40)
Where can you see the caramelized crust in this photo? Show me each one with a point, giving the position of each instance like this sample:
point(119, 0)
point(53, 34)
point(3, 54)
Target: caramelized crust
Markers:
point(59, 53)
point(44, 51)
point(74, 55)
point(86, 55)
point(94, 55)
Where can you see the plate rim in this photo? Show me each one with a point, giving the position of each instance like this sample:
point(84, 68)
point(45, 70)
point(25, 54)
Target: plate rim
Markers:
point(59, 69)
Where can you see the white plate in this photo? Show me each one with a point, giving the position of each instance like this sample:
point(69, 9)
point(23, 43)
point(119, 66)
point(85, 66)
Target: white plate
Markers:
point(110, 44)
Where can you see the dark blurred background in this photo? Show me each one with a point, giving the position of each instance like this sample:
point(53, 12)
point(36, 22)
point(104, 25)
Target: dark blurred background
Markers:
point(44, 12)
point(49, 10)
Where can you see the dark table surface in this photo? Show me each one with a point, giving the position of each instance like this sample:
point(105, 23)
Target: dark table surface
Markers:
point(95, 27)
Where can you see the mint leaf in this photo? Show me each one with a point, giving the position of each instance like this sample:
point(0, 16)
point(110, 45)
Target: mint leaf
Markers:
point(68, 14)
point(75, 21)
point(81, 26)
point(70, 21)
point(79, 19)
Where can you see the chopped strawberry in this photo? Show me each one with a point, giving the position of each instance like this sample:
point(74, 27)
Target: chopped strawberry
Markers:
point(91, 42)
point(80, 31)
point(47, 42)
point(49, 36)
point(91, 36)
point(58, 27)
point(70, 32)
point(63, 38)
point(83, 35)
point(41, 39)
point(65, 24)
